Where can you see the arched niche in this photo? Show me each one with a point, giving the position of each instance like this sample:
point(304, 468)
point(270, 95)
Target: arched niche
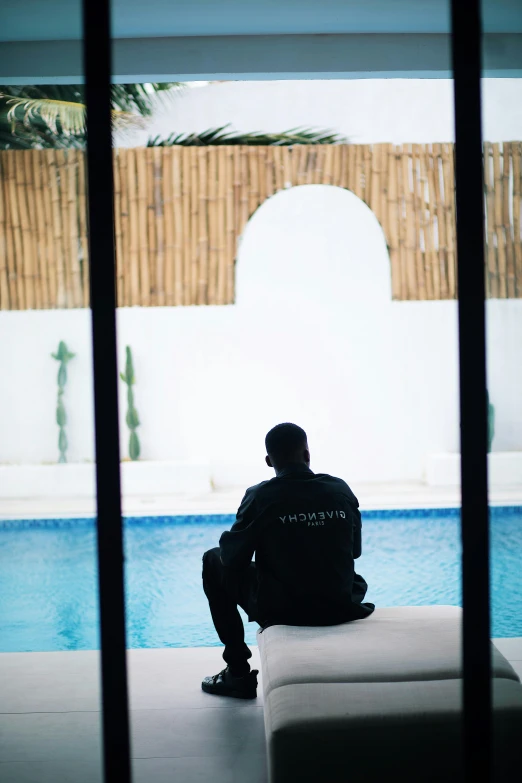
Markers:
point(312, 244)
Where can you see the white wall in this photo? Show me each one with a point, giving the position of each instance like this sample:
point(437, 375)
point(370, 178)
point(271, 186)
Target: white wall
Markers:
point(365, 111)
point(28, 392)
point(314, 338)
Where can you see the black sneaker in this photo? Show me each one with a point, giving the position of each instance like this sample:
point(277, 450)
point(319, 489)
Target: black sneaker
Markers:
point(224, 684)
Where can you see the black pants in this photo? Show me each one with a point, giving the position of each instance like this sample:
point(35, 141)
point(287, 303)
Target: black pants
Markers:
point(226, 589)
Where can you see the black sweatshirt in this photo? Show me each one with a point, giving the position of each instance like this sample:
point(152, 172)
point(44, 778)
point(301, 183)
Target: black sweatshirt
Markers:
point(305, 531)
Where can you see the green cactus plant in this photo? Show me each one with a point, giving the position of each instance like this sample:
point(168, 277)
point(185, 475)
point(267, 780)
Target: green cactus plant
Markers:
point(131, 418)
point(63, 356)
point(491, 423)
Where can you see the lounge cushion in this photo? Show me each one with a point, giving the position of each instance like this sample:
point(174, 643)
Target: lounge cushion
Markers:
point(379, 731)
point(392, 645)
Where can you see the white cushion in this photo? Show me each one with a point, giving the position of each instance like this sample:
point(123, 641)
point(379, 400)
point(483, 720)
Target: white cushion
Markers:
point(392, 645)
point(378, 731)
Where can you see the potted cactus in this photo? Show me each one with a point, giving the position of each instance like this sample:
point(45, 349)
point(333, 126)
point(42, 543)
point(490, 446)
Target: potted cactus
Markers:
point(63, 356)
point(131, 418)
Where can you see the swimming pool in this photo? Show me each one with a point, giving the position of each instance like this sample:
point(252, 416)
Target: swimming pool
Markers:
point(48, 587)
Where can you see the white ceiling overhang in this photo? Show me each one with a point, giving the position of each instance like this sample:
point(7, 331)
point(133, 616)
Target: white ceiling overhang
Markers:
point(161, 40)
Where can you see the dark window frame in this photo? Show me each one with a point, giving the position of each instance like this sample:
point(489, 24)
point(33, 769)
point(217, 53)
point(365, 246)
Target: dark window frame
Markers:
point(98, 74)
point(466, 42)
point(466, 52)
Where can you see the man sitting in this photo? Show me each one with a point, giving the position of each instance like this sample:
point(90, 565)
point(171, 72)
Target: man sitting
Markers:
point(305, 531)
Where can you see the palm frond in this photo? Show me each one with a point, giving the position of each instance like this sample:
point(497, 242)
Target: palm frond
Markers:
point(126, 119)
point(143, 97)
point(224, 136)
point(47, 116)
point(66, 117)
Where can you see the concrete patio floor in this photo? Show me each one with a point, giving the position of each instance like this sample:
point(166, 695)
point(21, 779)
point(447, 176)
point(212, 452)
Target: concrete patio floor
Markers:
point(50, 718)
point(226, 501)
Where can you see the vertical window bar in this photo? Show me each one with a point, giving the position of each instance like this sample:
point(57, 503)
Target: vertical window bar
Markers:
point(466, 51)
point(97, 69)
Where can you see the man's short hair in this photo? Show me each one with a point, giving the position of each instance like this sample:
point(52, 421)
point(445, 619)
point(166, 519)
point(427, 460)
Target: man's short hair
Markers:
point(285, 440)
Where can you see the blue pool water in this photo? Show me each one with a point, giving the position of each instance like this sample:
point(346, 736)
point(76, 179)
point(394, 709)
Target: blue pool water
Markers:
point(48, 587)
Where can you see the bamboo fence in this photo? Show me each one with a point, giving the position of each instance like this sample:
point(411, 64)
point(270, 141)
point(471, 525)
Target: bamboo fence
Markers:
point(180, 211)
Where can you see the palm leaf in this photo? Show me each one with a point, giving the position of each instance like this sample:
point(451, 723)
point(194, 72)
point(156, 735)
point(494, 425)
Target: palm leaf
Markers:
point(64, 117)
point(219, 136)
point(60, 116)
point(142, 97)
point(53, 116)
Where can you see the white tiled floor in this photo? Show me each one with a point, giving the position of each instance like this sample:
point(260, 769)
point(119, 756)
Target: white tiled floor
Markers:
point(512, 650)
point(371, 496)
point(50, 720)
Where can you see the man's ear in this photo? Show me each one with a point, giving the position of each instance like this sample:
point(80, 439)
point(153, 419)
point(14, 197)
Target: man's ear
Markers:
point(307, 456)
point(268, 461)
